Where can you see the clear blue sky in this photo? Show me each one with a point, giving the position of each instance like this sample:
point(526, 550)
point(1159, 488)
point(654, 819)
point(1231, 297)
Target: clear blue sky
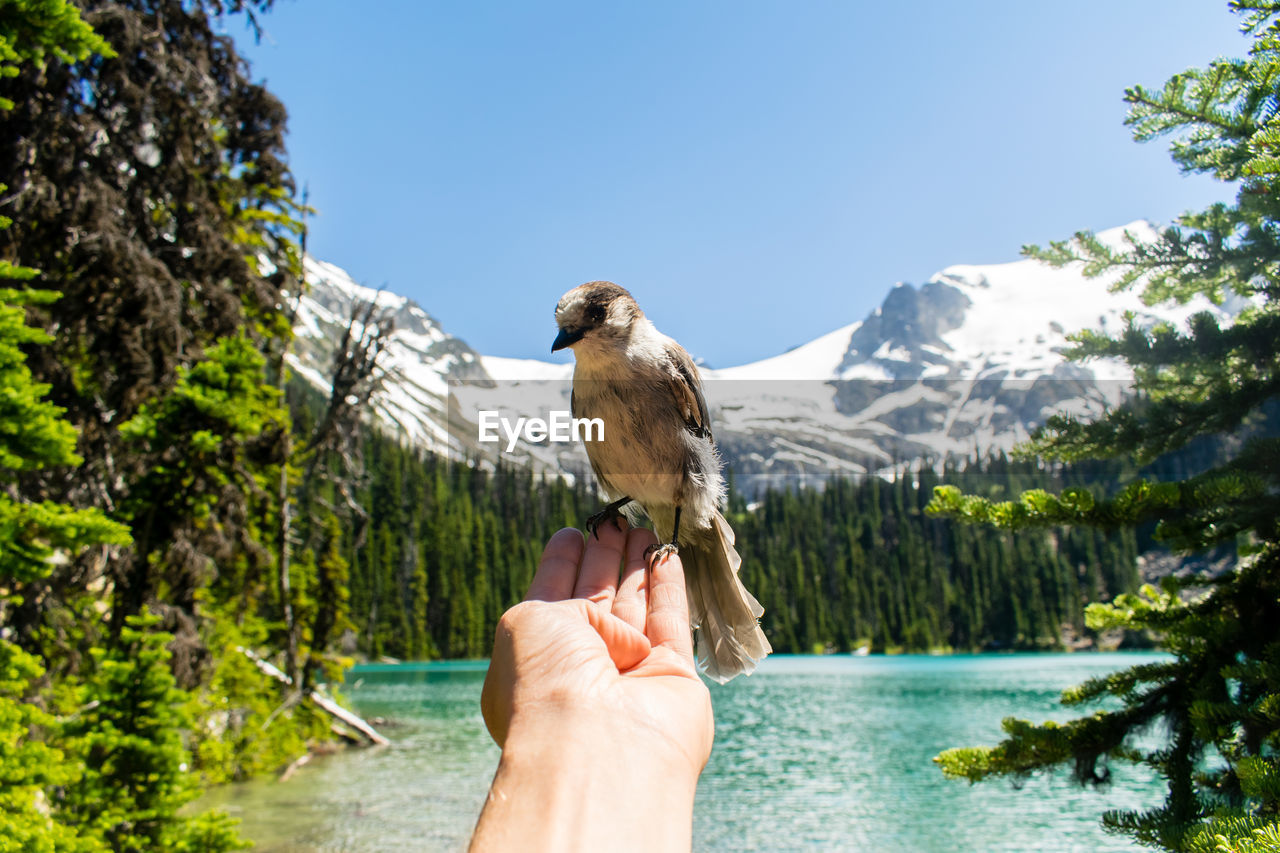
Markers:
point(756, 173)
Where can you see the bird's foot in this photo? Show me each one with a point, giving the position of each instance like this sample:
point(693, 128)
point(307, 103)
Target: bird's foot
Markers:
point(656, 553)
point(611, 513)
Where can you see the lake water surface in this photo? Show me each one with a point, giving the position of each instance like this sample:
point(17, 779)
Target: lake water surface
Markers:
point(811, 753)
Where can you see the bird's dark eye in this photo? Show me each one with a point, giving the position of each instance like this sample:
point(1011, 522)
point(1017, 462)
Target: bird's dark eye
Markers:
point(595, 314)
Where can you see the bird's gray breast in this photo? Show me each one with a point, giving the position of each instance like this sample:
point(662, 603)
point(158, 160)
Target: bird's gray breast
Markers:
point(647, 452)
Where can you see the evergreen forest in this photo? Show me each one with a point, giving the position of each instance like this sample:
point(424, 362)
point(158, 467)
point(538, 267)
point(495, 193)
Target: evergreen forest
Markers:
point(447, 547)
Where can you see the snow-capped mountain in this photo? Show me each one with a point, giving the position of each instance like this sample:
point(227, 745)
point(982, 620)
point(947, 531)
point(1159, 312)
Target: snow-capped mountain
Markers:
point(968, 362)
point(420, 358)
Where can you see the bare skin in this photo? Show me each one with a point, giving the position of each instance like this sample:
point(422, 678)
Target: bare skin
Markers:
point(593, 696)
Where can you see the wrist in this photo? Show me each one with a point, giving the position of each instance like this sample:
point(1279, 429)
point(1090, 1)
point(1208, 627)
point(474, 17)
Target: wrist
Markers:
point(583, 735)
point(655, 742)
point(573, 779)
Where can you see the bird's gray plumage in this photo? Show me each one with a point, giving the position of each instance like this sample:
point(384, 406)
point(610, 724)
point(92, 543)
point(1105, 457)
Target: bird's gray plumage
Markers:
point(659, 451)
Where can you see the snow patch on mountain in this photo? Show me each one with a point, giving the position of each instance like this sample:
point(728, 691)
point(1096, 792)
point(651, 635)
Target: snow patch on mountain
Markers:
point(525, 369)
point(969, 362)
point(814, 360)
point(419, 359)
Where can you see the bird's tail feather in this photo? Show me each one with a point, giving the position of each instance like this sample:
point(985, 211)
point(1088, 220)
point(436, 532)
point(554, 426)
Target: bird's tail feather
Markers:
point(730, 641)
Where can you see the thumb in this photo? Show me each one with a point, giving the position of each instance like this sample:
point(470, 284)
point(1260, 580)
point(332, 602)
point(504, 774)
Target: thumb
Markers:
point(627, 646)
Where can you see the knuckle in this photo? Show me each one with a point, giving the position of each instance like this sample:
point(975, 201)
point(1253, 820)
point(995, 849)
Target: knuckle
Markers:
point(515, 614)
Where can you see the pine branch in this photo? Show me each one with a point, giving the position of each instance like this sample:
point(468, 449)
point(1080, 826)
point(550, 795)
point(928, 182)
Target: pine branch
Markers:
point(1146, 429)
point(1196, 354)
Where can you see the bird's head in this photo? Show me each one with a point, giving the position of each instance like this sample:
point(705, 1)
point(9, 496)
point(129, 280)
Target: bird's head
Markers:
point(595, 312)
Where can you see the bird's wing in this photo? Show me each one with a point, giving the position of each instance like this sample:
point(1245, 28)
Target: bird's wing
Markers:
point(687, 388)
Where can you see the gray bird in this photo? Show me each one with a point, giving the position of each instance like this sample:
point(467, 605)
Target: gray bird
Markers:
point(657, 451)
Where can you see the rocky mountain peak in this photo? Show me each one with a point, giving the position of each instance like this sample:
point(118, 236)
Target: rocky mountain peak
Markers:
point(969, 362)
point(904, 336)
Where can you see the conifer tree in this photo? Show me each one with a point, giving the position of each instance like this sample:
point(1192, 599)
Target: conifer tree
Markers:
point(147, 185)
point(128, 735)
point(1218, 699)
point(33, 535)
point(197, 503)
point(332, 592)
point(152, 229)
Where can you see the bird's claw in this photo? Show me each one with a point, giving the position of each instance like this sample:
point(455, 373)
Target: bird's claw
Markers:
point(656, 553)
point(609, 513)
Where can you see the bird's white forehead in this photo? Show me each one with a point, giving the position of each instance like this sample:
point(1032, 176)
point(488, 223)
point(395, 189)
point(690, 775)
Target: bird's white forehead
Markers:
point(571, 304)
point(569, 301)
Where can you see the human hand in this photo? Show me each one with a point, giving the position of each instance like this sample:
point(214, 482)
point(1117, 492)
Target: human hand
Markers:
point(586, 643)
point(592, 691)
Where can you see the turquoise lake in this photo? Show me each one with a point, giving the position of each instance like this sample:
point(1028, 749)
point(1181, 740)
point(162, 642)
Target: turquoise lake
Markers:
point(811, 753)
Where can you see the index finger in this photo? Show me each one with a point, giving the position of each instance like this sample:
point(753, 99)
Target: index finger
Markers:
point(668, 621)
point(558, 569)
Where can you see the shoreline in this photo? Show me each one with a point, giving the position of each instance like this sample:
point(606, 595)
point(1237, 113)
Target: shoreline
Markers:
point(482, 664)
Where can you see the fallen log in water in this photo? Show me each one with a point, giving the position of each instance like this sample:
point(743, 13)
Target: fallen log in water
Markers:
point(321, 701)
point(294, 765)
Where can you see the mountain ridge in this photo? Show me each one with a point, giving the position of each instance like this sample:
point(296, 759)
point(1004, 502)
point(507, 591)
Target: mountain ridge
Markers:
point(968, 362)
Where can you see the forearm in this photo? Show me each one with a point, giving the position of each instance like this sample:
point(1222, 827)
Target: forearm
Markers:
point(565, 783)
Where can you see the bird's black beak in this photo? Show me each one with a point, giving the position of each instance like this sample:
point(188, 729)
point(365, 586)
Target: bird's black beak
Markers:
point(567, 338)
